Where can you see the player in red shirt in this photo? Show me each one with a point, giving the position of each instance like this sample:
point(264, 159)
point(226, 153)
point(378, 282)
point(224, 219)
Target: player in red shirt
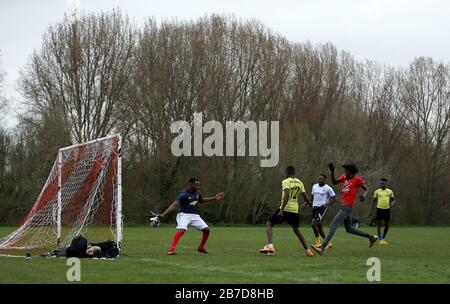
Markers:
point(350, 188)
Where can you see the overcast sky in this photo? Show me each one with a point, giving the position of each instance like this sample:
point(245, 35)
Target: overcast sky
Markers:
point(387, 31)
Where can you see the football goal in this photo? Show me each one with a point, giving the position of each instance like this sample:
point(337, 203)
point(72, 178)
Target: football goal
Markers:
point(82, 195)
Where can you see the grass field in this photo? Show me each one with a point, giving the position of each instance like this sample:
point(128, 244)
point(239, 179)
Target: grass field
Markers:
point(414, 255)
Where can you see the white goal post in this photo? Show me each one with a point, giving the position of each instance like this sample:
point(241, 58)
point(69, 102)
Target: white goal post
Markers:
point(82, 195)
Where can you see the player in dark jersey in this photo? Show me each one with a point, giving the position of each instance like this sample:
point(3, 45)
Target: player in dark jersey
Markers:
point(187, 201)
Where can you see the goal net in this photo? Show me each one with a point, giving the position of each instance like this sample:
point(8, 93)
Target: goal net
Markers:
point(82, 195)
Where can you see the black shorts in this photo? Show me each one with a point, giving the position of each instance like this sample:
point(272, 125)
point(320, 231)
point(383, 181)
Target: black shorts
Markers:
point(318, 213)
point(383, 214)
point(289, 217)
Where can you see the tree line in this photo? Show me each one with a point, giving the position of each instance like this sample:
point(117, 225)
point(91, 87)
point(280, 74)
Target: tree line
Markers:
point(99, 73)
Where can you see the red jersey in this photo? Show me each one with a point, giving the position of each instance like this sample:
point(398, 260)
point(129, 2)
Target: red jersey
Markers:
point(350, 189)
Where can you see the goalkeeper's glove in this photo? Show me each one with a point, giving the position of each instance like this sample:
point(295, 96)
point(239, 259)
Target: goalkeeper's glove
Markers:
point(155, 220)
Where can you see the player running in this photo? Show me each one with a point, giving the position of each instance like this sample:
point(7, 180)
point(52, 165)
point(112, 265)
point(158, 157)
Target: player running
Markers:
point(322, 196)
point(384, 197)
point(292, 188)
point(351, 184)
point(187, 200)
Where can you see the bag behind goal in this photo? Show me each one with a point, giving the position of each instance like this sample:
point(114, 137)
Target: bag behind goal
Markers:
point(82, 195)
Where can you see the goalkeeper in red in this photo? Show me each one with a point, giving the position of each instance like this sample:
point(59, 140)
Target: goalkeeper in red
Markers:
point(187, 201)
point(351, 183)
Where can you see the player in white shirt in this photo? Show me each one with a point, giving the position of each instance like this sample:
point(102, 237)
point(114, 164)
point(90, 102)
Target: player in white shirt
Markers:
point(322, 196)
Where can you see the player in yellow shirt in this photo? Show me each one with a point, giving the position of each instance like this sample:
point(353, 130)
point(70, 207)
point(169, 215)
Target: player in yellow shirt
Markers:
point(292, 189)
point(384, 198)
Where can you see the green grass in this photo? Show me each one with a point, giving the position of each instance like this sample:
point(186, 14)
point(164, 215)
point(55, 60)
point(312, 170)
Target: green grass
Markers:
point(414, 255)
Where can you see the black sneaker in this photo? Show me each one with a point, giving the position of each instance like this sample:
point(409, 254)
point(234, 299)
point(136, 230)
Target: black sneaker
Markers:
point(317, 249)
point(372, 240)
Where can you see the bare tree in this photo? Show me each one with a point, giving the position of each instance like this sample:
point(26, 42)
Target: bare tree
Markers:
point(424, 105)
point(2, 83)
point(96, 73)
point(81, 71)
point(378, 95)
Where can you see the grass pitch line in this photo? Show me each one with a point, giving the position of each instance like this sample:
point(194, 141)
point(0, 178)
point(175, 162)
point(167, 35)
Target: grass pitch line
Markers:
point(256, 275)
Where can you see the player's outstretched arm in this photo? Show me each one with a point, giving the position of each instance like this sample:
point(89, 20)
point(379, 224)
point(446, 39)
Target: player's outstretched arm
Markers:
point(392, 201)
point(331, 201)
point(169, 209)
point(362, 197)
point(333, 178)
point(306, 203)
point(219, 196)
point(285, 201)
point(306, 199)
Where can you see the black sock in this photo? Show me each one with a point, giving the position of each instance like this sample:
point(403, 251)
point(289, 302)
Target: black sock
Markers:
point(386, 229)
